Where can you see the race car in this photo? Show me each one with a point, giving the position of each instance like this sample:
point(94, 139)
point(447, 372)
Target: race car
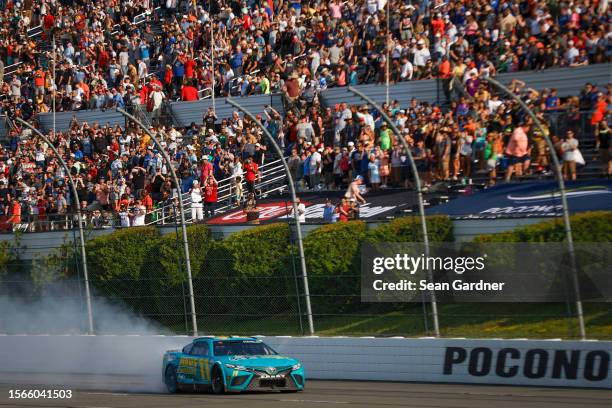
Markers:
point(231, 364)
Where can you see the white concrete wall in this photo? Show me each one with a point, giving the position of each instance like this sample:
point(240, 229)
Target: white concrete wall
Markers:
point(382, 359)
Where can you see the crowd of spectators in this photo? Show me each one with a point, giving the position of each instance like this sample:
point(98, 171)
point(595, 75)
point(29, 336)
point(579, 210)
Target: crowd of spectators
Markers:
point(482, 135)
point(122, 53)
point(122, 178)
point(117, 53)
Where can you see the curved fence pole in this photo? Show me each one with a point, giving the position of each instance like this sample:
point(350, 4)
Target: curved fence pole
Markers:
point(79, 217)
point(417, 180)
point(161, 149)
point(562, 192)
point(298, 227)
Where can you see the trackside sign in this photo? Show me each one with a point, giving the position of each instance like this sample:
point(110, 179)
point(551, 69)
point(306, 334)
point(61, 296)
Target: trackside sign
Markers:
point(541, 363)
point(534, 363)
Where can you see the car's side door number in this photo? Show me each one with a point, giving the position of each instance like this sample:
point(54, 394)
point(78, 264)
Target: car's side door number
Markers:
point(204, 369)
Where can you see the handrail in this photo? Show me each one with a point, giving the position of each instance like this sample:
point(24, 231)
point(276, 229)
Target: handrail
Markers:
point(201, 91)
point(225, 193)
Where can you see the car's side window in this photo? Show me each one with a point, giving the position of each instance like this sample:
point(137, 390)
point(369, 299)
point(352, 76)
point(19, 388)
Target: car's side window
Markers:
point(187, 349)
point(200, 349)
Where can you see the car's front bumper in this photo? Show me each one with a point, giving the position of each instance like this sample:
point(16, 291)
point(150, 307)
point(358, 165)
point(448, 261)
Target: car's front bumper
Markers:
point(237, 380)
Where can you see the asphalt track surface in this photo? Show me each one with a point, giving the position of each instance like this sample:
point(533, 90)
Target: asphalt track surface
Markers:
point(94, 391)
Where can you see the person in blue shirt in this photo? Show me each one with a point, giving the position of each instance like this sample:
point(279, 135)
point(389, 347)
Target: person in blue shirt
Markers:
point(552, 100)
point(78, 154)
point(117, 99)
point(237, 60)
point(352, 79)
point(178, 72)
point(306, 169)
point(328, 211)
point(144, 53)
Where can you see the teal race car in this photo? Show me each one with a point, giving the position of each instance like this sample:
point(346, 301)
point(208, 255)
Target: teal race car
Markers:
point(231, 364)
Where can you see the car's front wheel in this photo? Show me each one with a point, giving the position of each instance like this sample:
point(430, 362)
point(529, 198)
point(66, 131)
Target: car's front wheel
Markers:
point(217, 381)
point(171, 380)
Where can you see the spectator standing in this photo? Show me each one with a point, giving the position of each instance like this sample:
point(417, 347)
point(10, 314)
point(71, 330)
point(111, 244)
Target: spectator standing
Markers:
point(251, 170)
point(605, 152)
point(138, 213)
point(196, 202)
point(301, 211)
point(342, 209)
point(571, 156)
point(328, 211)
point(210, 194)
point(517, 151)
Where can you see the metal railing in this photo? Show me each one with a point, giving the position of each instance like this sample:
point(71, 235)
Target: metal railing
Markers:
point(137, 20)
point(272, 180)
point(142, 114)
point(561, 121)
point(38, 30)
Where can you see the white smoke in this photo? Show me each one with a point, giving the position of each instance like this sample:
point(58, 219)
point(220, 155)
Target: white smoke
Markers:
point(44, 345)
point(60, 314)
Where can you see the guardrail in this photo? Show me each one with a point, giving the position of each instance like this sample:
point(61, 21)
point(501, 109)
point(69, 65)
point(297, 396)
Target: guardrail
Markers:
point(469, 361)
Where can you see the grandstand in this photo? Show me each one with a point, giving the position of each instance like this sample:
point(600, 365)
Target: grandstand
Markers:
point(66, 67)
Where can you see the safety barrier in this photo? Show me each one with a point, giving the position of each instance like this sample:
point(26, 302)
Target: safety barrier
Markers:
point(495, 361)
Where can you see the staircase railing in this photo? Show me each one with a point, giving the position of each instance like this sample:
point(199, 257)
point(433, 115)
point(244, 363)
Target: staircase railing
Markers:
point(272, 180)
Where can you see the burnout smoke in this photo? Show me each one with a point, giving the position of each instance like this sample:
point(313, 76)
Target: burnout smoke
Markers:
point(119, 357)
point(66, 315)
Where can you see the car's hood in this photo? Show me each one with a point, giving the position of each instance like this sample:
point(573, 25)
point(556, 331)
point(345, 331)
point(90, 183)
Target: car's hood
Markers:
point(259, 361)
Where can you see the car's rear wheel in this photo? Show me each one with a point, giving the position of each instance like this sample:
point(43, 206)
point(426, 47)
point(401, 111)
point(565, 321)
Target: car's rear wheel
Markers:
point(217, 381)
point(171, 380)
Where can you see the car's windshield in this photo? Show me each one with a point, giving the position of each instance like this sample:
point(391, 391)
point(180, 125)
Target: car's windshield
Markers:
point(241, 348)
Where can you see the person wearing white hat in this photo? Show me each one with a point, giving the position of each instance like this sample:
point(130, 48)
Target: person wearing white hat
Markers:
point(421, 55)
point(196, 202)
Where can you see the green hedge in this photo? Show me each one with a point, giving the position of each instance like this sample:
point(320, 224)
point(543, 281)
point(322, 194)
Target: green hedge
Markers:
point(409, 229)
point(249, 273)
point(333, 258)
point(333, 265)
point(164, 272)
point(586, 227)
point(114, 262)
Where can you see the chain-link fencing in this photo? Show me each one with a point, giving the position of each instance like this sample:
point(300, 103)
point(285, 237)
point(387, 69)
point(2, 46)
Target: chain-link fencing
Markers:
point(247, 284)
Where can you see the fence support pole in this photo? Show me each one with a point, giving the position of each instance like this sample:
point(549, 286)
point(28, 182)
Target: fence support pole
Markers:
point(161, 149)
point(77, 207)
point(417, 180)
point(562, 193)
point(298, 227)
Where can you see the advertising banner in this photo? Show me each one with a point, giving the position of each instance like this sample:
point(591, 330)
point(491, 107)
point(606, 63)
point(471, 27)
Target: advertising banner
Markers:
point(536, 199)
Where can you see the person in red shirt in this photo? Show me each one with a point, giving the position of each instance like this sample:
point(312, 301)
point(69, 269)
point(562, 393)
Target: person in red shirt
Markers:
point(15, 217)
point(48, 24)
point(190, 65)
point(189, 93)
point(143, 92)
point(210, 196)
point(343, 210)
point(437, 24)
point(251, 171)
point(147, 201)
point(42, 213)
point(206, 170)
point(103, 59)
point(601, 107)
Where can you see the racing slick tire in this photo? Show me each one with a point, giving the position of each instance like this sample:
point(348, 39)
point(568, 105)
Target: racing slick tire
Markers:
point(217, 381)
point(171, 380)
